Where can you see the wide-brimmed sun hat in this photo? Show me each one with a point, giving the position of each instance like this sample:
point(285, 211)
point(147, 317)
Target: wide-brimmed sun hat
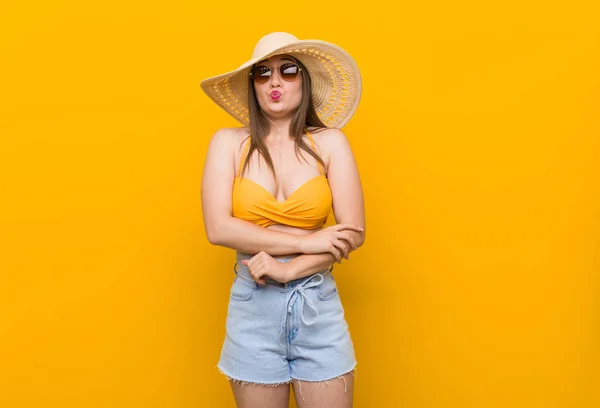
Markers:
point(335, 78)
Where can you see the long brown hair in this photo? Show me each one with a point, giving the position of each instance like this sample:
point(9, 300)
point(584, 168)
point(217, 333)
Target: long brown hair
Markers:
point(304, 117)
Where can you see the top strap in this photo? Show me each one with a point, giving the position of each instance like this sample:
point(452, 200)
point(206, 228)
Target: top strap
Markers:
point(243, 156)
point(315, 150)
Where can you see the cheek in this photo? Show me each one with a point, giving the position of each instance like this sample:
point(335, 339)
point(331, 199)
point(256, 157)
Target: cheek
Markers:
point(298, 93)
point(259, 91)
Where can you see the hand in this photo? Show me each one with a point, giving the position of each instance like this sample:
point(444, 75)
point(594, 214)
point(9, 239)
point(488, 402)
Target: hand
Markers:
point(334, 239)
point(262, 265)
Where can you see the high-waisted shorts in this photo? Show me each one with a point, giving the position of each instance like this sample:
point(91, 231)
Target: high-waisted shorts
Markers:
point(282, 331)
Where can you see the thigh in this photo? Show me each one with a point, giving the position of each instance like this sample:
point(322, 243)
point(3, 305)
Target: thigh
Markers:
point(253, 349)
point(248, 395)
point(335, 393)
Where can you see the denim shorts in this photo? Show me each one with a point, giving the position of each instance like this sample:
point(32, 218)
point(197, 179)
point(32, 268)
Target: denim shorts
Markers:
point(282, 331)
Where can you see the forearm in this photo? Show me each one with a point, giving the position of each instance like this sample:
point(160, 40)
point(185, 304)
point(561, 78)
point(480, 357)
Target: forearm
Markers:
point(247, 237)
point(307, 264)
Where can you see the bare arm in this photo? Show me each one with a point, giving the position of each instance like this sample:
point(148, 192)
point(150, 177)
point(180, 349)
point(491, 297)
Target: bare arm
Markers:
point(348, 204)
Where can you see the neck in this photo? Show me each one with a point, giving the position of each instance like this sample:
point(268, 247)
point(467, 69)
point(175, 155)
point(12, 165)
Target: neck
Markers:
point(280, 129)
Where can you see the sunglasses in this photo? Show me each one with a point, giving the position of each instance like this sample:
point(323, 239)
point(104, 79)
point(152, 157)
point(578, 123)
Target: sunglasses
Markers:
point(288, 72)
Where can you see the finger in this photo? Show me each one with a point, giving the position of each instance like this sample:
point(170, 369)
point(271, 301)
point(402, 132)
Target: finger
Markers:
point(335, 252)
point(258, 255)
point(251, 270)
point(345, 249)
point(347, 237)
point(244, 262)
point(260, 271)
point(352, 242)
point(262, 279)
point(343, 246)
point(339, 256)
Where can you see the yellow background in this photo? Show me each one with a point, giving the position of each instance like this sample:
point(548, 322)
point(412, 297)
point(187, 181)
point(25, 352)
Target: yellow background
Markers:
point(477, 140)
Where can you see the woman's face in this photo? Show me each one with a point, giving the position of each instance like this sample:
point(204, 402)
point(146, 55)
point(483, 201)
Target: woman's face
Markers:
point(278, 97)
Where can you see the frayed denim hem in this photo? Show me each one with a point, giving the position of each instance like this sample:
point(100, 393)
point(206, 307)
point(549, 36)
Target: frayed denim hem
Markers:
point(243, 383)
point(326, 382)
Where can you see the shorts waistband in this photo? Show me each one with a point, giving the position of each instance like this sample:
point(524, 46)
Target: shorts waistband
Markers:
point(242, 271)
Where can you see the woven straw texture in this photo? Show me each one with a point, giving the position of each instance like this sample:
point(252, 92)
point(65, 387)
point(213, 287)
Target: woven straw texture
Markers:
point(336, 82)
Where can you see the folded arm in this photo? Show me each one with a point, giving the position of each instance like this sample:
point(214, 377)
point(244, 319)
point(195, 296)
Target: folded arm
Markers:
point(348, 203)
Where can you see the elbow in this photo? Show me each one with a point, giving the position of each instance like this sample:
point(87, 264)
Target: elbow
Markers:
point(214, 234)
point(213, 238)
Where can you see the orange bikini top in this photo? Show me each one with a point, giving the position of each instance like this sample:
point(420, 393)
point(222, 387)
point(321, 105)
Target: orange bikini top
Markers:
point(307, 207)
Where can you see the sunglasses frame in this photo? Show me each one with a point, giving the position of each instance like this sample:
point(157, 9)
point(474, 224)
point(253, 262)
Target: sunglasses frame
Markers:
point(279, 69)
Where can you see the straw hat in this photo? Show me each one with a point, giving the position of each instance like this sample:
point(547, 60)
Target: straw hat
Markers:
point(336, 82)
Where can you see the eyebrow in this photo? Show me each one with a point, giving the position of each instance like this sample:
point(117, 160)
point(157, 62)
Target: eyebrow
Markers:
point(282, 59)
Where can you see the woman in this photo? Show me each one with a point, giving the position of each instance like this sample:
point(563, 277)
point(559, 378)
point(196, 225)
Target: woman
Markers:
point(267, 190)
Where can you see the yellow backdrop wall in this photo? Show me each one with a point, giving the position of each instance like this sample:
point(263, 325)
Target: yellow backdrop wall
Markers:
point(477, 139)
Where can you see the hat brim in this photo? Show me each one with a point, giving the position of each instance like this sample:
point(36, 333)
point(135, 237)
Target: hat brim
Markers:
point(336, 82)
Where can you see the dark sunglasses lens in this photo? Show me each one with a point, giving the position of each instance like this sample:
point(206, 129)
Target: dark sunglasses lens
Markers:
point(261, 73)
point(289, 71)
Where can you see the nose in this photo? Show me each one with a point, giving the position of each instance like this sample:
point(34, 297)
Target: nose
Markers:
point(275, 79)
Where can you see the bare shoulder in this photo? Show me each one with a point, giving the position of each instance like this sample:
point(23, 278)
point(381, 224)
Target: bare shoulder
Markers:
point(230, 137)
point(330, 140)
